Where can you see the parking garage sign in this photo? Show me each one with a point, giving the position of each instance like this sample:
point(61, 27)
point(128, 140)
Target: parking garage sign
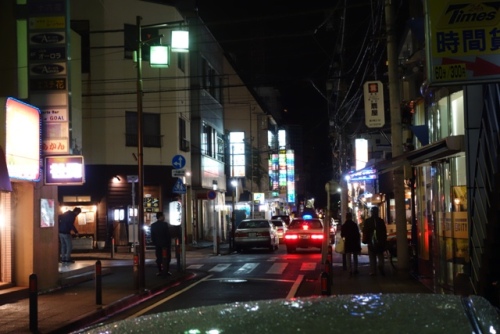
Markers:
point(463, 41)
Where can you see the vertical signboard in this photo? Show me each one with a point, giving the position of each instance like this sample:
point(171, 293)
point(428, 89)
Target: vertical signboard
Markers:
point(48, 71)
point(374, 104)
point(463, 41)
point(290, 176)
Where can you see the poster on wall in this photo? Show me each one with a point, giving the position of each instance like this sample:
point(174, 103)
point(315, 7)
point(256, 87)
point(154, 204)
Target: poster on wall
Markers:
point(46, 212)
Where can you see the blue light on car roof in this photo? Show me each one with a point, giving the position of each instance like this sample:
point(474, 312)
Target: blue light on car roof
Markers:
point(307, 217)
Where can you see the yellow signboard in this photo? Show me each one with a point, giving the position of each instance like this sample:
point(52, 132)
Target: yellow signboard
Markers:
point(463, 41)
point(52, 22)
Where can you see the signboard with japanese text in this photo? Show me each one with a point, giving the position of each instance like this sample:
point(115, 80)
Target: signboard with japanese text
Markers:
point(374, 104)
point(175, 213)
point(48, 70)
point(363, 175)
point(463, 41)
point(64, 170)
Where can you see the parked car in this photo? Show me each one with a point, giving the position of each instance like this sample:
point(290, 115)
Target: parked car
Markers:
point(252, 233)
point(280, 227)
point(304, 233)
point(285, 218)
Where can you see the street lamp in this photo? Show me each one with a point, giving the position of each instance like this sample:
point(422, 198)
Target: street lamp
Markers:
point(140, 162)
point(234, 183)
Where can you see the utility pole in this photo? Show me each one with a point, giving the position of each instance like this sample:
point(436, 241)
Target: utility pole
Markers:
point(140, 163)
point(396, 134)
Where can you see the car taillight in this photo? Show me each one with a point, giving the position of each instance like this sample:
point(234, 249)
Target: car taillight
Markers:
point(264, 234)
point(291, 236)
point(317, 236)
point(240, 234)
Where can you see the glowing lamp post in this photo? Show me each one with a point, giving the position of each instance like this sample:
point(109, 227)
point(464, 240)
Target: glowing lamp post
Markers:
point(160, 57)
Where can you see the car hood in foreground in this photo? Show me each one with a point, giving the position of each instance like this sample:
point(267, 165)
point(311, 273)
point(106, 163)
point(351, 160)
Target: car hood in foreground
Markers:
point(368, 313)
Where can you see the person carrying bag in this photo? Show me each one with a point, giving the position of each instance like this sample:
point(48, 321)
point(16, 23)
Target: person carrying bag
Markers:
point(349, 232)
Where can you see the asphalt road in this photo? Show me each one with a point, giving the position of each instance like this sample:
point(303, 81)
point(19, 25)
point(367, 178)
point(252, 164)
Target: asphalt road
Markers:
point(239, 277)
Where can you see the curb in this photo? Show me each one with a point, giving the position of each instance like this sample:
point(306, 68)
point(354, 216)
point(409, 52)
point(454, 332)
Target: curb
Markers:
point(90, 320)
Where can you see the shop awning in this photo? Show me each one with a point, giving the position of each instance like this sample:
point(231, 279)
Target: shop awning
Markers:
point(5, 184)
point(445, 148)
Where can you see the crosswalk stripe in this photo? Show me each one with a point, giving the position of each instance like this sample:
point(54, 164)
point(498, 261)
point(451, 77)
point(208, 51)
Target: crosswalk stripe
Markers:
point(220, 267)
point(277, 268)
point(308, 266)
point(246, 268)
point(195, 266)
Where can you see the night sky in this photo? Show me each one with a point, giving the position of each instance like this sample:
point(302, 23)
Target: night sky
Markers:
point(301, 48)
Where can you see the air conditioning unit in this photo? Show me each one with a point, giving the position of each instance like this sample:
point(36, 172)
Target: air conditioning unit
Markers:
point(185, 145)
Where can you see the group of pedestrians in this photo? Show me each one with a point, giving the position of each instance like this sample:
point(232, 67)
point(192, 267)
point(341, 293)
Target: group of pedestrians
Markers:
point(160, 236)
point(374, 235)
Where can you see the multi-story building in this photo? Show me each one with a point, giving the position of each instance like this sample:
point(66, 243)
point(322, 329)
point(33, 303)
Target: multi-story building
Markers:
point(451, 162)
point(89, 102)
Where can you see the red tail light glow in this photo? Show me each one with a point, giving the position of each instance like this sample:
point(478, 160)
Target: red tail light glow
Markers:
point(291, 236)
point(317, 236)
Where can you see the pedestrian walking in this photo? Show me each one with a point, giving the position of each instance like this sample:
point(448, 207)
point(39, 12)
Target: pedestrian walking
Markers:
point(161, 238)
point(352, 244)
point(375, 236)
point(66, 226)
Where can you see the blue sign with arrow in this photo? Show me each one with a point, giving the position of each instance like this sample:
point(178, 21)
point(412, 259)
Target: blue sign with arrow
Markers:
point(179, 187)
point(178, 161)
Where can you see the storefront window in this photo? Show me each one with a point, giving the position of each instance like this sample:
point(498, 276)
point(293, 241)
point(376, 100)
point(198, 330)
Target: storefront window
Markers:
point(457, 113)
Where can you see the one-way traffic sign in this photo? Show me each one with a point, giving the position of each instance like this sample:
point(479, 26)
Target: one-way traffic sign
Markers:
point(178, 161)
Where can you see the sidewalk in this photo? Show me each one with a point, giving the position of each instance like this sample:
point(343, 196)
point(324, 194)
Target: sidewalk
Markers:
point(74, 306)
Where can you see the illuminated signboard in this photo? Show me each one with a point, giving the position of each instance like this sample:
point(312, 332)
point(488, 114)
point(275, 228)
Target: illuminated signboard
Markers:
point(23, 140)
point(363, 175)
point(462, 42)
point(274, 172)
point(64, 170)
point(175, 210)
point(290, 178)
point(259, 198)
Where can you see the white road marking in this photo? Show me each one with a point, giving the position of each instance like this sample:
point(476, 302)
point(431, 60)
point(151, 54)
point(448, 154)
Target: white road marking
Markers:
point(277, 268)
point(308, 266)
point(246, 268)
point(220, 267)
point(195, 266)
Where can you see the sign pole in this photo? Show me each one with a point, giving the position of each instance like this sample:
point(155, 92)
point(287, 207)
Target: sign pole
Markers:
point(178, 163)
point(183, 234)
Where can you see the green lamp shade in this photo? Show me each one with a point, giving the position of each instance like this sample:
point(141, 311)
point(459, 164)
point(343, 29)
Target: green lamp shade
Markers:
point(180, 40)
point(160, 56)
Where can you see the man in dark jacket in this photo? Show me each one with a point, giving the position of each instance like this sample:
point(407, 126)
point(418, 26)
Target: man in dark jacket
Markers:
point(160, 236)
point(352, 244)
point(66, 226)
point(375, 236)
